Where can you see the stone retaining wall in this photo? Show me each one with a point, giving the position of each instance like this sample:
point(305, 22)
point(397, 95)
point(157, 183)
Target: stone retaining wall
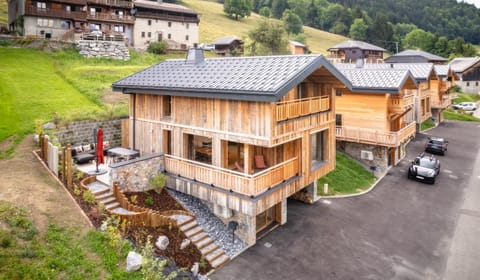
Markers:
point(81, 132)
point(380, 155)
point(134, 175)
point(106, 49)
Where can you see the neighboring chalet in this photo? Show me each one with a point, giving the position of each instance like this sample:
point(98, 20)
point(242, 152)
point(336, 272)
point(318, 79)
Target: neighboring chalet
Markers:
point(297, 47)
point(241, 133)
point(467, 71)
point(229, 46)
point(370, 116)
point(350, 51)
point(158, 21)
point(415, 56)
point(441, 98)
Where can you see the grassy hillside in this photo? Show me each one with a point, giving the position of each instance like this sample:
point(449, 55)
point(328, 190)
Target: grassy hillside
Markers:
point(214, 24)
point(3, 11)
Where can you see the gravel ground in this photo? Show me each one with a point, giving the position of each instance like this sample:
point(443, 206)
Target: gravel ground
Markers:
point(212, 225)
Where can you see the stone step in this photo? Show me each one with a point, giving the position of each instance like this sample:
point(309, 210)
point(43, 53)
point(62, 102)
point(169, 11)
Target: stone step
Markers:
point(221, 260)
point(106, 200)
point(100, 192)
point(204, 242)
point(212, 247)
point(185, 221)
point(104, 195)
point(188, 226)
point(123, 211)
point(214, 255)
point(194, 231)
point(199, 237)
point(112, 205)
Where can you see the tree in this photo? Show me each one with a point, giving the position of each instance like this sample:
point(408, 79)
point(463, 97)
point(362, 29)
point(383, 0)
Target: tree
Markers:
point(358, 30)
point(419, 39)
point(267, 38)
point(293, 23)
point(381, 30)
point(238, 8)
point(265, 12)
point(312, 15)
point(278, 6)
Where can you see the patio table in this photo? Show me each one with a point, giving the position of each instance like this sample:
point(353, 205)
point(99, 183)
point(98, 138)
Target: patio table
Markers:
point(120, 153)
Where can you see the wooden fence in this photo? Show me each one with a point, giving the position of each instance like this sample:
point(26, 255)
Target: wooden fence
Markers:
point(59, 160)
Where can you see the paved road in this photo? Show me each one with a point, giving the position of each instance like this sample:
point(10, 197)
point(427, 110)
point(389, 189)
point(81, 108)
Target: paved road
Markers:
point(401, 230)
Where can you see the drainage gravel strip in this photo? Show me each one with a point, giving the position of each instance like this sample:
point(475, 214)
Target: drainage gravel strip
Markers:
point(212, 225)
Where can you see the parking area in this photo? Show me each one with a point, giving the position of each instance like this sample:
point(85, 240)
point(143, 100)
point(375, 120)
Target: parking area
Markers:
point(403, 229)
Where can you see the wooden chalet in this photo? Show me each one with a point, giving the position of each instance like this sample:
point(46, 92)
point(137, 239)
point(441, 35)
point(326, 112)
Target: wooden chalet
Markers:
point(441, 98)
point(297, 47)
point(415, 56)
point(467, 72)
point(241, 133)
point(370, 116)
point(351, 51)
point(229, 46)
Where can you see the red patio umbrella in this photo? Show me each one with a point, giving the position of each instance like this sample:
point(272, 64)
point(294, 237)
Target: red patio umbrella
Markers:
point(100, 158)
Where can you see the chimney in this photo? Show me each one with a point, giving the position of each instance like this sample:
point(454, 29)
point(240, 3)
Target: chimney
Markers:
point(195, 55)
point(391, 65)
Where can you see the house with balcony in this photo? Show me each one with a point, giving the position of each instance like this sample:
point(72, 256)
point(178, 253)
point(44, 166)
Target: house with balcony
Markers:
point(441, 98)
point(371, 125)
point(47, 18)
point(159, 21)
point(467, 72)
point(241, 133)
point(351, 51)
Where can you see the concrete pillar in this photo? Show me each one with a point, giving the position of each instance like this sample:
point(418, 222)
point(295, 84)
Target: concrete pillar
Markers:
point(283, 212)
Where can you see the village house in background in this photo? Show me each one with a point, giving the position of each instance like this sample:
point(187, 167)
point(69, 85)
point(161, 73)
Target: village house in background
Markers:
point(415, 56)
point(467, 71)
point(297, 47)
point(135, 22)
point(350, 51)
point(229, 46)
point(241, 133)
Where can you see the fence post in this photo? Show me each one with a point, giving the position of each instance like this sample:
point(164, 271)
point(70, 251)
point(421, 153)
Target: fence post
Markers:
point(45, 148)
point(64, 164)
point(325, 188)
point(68, 169)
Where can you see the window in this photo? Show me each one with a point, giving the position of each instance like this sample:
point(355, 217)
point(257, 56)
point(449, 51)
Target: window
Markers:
point(468, 84)
point(94, 26)
point(169, 36)
point(338, 92)
point(186, 38)
point(188, 25)
point(143, 34)
point(149, 22)
point(45, 22)
point(160, 37)
point(476, 84)
point(65, 24)
point(68, 8)
point(41, 5)
point(319, 148)
point(119, 28)
point(167, 105)
point(93, 11)
point(120, 14)
point(301, 90)
point(338, 119)
point(149, 34)
point(169, 24)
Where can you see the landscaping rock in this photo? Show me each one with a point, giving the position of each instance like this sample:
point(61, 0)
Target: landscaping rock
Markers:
point(195, 269)
point(162, 242)
point(49, 125)
point(134, 261)
point(185, 243)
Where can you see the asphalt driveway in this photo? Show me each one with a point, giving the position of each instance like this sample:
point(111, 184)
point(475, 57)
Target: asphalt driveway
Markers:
point(402, 229)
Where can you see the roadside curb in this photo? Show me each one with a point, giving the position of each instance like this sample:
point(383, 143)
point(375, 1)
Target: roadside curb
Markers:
point(63, 188)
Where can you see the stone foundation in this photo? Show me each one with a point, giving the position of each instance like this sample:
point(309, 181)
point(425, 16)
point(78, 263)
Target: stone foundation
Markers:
point(380, 155)
point(105, 49)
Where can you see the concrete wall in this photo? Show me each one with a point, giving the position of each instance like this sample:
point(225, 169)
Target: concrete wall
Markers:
point(55, 29)
point(81, 132)
point(106, 49)
point(134, 175)
point(472, 88)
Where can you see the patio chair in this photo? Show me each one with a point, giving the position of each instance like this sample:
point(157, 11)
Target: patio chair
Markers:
point(260, 162)
point(240, 168)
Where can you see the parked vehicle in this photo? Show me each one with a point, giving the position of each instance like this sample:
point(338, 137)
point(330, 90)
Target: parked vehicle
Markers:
point(424, 168)
point(467, 106)
point(436, 145)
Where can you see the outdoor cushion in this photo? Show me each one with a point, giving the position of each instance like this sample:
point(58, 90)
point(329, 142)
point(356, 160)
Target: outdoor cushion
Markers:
point(86, 148)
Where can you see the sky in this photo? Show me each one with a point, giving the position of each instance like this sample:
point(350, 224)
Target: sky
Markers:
point(475, 2)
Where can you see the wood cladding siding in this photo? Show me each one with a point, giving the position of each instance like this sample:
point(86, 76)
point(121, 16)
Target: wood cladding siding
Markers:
point(363, 110)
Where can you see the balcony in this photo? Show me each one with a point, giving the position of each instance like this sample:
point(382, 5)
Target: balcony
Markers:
point(55, 13)
point(375, 137)
point(424, 93)
point(231, 180)
point(301, 107)
point(400, 104)
point(113, 3)
point(78, 2)
point(437, 104)
point(111, 17)
point(167, 17)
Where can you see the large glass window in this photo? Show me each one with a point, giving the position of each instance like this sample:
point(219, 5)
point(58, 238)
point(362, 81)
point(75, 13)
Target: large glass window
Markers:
point(319, 148)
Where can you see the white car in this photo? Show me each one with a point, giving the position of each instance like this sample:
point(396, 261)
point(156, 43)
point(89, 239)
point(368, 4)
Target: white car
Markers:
point(467, 106)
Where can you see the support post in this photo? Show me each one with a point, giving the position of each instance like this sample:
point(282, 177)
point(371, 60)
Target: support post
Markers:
point(69, 170)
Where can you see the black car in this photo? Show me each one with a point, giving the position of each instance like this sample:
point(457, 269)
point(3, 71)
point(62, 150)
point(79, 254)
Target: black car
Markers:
point(424, 168)
point(436, 145)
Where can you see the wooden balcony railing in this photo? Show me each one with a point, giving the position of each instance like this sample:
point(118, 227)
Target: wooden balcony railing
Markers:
point(163, 16)
point(400, 104)
point(78, 2)
point(111, 17)
point(231, 180)
point(55, 13)
point(113, 3)
point(377, 137)
point(441, 104)
point(426, 93)
point(301, 107)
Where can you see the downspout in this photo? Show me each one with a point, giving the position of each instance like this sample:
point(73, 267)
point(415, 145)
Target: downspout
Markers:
point(134, 118)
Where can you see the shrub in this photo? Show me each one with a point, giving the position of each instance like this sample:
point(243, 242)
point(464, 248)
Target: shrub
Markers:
point(133, 199)
point(76, 190)
point(203, 262)
point(6, 240)
point(89, 197)
point(149, 201)
point(158, 47)
point(157, 182)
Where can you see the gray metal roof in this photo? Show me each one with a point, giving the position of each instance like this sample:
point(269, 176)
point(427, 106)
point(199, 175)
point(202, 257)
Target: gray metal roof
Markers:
point(442, 70)
point(357, 45)
point(420, 71)
point(226, 40)
point(260, 78)
point(376, 80)
point(415, 53)
point(163, 6)
point(460, 64)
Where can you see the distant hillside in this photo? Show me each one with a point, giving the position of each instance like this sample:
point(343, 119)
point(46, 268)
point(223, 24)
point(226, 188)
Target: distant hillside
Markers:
point(214, 24)
point(3, 11)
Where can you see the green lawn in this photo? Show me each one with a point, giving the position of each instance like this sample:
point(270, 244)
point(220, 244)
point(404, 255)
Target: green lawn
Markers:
point(30, 89)
point(215, 24)
point(426, 125)
point(460, 115)
point(347, 178)
point(465, 97)
point(3, 11)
